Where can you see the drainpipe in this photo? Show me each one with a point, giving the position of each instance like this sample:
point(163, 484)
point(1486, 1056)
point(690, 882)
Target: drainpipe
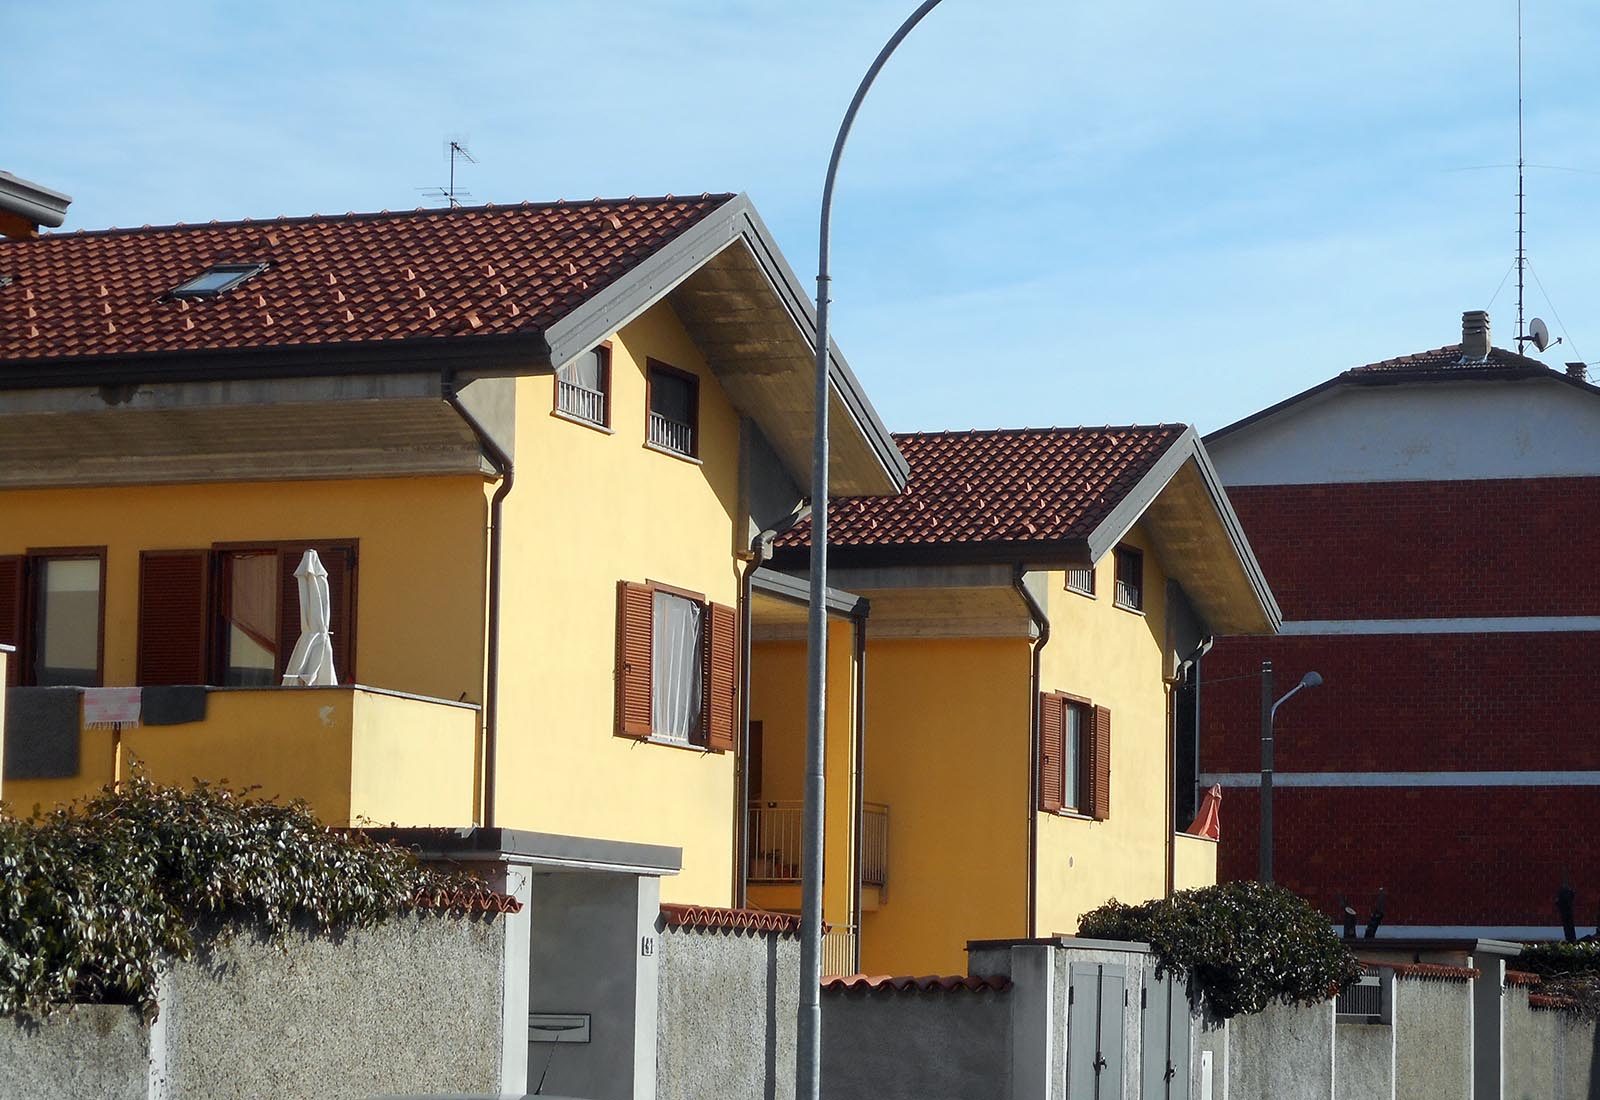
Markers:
point(859, 621)
point(491, 693)
point(1042, 622)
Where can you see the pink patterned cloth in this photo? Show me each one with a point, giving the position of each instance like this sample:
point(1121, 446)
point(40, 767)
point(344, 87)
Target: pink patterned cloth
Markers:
point(112, 706)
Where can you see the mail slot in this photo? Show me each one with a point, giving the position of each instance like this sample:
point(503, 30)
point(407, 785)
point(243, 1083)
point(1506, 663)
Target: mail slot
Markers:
point(556, 1027)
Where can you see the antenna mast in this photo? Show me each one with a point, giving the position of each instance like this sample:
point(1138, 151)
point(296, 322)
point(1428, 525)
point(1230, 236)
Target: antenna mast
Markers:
point(459, 150)
point(1522, 243)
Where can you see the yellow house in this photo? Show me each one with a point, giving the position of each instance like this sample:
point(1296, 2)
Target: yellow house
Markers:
point(535, 447)
point(1029, 609)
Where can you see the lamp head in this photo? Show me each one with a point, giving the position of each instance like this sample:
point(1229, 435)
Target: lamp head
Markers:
point(1311, 680)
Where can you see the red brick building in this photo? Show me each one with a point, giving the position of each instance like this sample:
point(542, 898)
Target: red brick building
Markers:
point(1431, 528)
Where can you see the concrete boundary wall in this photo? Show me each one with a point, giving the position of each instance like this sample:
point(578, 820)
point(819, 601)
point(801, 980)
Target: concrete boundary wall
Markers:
point(1433, 1027)
point(928, 1043)
point(1283, 1053)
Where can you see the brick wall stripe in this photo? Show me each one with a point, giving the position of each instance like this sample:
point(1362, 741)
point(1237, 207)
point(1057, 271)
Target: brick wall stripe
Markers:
point(1407, 779)
point(1507, 624)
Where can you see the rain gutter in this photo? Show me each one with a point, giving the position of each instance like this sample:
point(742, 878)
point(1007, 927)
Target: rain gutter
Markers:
point(1042, 622)
point(491, 692)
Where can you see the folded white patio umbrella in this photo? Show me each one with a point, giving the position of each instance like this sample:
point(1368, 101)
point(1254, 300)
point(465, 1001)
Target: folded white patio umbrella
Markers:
point(311, 663)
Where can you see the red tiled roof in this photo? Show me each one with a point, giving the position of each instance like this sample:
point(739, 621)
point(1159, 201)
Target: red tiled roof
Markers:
point(1446, 361)
point(929, 984)
point(1522, 977)
point(467, 899)
point(1041, 485)
point(1436, 971)
point(706, 916)
point(337, 279)
point(1551, 1001)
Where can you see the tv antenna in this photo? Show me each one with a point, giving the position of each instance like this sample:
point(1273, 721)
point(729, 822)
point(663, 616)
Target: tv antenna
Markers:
point(1535, 332)
point(457, 150)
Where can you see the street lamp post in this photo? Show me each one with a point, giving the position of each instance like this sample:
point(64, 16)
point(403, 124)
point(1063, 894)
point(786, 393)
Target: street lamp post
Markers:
point(1269, 712)
point(808, 1056)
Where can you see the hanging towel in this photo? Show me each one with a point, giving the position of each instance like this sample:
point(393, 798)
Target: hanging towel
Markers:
point(174, 706)
point(108, 708)
point(41, 733)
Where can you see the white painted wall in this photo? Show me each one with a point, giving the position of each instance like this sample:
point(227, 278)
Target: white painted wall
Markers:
point(1433, 431)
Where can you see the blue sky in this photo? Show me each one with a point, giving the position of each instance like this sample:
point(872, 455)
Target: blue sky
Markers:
point(1050, 213)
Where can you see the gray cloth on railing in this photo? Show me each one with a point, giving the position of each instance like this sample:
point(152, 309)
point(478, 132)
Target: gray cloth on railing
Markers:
point(41, 732)
point(174, 706)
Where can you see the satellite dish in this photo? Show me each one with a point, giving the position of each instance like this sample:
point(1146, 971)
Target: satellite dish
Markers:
point(1539, 333)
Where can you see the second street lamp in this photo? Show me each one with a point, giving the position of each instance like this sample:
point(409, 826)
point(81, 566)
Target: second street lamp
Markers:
point(1269, 712)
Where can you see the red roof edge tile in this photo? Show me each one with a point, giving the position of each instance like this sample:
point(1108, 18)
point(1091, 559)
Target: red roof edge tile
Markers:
point(1522, 978)
point(707, 916)
point(466, 899)
point(1551, 1001)
point(927, 984)
point(1435, 971)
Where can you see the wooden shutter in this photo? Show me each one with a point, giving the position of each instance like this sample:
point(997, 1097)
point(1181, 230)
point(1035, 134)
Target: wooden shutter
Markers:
point(339, 559)
point(11, 601)
point(718, 716)
point(1100, 765)
point(1052, 749)
point(173, 615)
point(635, 634)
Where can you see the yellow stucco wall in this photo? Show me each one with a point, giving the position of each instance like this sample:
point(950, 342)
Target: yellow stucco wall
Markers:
point(947, 751)
point(1195, 862)
point(1113, 657)
point(420, 584)
point(589, 509)
point(778, 702)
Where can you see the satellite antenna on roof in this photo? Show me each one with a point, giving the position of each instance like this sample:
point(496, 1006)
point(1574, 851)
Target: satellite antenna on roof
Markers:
point(456, 149)
point(1539, 334)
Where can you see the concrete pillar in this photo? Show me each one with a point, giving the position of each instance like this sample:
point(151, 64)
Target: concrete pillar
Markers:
point(1034, 1030)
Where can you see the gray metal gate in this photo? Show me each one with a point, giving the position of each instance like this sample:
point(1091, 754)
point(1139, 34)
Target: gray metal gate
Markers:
point(1165, 1029)
point(1097, 996)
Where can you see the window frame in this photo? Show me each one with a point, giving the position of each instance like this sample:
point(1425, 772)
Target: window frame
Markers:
point(241, 272)
point(1073, 806)
point(1135, 558)
point(604, 424)
point(32, 576)
point(216, 654)
point(652, 368)
point(698, 740)
point(1090, 591)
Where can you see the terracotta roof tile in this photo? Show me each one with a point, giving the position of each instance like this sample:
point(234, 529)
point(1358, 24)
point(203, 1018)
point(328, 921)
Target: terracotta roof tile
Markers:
point(352, 278)
point(1436, 971)
point(1522, 977)
point(705, 916)
point(467, 899)
point(1016, 485)
point(1552, 1001)
point(929, 984)
point(1446, 361)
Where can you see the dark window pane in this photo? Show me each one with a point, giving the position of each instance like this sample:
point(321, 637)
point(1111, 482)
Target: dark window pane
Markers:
point(672, 396)
point(250, 618)
point(67, 624)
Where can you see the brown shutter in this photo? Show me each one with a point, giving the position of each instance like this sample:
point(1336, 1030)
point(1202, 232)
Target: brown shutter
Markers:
point(173, 615)
point(635, 631)
point(1052, 748)
point(718, 715)
point(11, 600)
point(339, 559)
point(1100, 765)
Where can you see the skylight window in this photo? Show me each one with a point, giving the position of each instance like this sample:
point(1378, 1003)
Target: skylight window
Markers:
point(216, 279)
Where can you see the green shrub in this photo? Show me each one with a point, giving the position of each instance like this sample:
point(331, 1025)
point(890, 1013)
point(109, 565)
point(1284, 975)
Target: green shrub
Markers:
point(1241, 945)
point(94, 895)
point(1559, 958)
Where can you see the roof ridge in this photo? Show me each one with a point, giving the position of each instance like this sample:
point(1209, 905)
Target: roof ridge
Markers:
point(1497, 357)
point(372, 215)
point(1053, 430)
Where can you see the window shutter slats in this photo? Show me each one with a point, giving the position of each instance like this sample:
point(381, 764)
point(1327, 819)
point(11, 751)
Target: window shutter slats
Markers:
point(1100, 765)
point(173, 601)
point(11, 599)
point(1052, 748)
point(721, 678)
point(635, 632)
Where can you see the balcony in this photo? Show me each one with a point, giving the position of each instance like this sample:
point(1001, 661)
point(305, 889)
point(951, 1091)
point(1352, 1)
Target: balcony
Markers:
point(777, 844)
point(671, 435)
point(581, 401)
point(356, 754)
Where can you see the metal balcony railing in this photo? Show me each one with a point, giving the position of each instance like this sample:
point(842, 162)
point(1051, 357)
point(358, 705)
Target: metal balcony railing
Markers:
point(776, 839)
point(580, 401)
point(1129, 596)
point(839, 951)
point(875, 847)
point(671, 435)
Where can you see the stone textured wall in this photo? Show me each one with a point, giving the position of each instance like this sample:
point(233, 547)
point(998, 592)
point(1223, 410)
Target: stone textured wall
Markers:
point(1550, 1053)
point(98, 1051)
point(1433, 1039)
point(726, 1023)
point(1284, 1053)
point(916, 1045)
point(1363, 1058)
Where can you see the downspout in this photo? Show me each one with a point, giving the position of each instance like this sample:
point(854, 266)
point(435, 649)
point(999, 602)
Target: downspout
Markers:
point(859, 618)
point(1042, 622)
point(491, 692)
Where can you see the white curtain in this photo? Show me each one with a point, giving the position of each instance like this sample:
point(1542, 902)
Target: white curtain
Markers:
point(676, 641)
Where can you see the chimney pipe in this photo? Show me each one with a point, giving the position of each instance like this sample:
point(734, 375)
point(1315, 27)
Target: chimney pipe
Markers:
point(1475, 334)
point(1580, 371)
point(25, 206)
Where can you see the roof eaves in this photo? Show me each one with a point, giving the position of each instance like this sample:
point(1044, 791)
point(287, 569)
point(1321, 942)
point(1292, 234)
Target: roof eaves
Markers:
point(1041, 553)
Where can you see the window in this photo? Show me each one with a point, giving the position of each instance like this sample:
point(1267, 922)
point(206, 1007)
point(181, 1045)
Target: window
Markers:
point(216, 279)
point(1074, 756)
point(52, 610)
point(230, 615)
point(583, 387)
point(677, 665)
point(674, 410)
point(1081, 581)
point(1130, 578)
